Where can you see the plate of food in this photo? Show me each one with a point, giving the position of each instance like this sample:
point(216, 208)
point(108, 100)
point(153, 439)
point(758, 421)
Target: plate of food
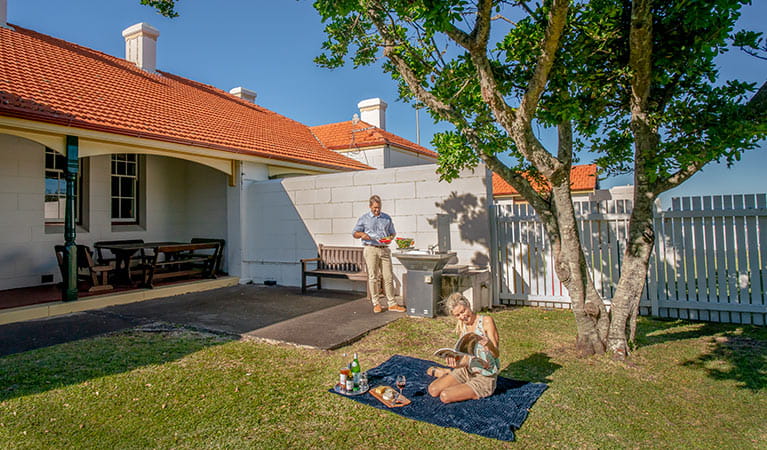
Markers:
point(405, 242)
point(385, 240)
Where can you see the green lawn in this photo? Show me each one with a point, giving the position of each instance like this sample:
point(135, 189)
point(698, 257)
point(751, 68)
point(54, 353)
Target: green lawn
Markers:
point(688, 385)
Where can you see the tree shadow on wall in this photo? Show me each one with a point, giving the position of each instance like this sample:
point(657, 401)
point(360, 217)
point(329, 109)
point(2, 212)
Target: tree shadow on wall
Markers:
point(470, 213)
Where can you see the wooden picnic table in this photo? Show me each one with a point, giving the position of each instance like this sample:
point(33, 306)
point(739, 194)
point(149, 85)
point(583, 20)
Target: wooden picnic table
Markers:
point(125, 251)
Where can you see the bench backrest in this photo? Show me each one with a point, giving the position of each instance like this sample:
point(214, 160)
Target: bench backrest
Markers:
point(347, 259)
point(175, 248)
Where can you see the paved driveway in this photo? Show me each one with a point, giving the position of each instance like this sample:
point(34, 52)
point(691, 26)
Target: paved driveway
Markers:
point(322, 319)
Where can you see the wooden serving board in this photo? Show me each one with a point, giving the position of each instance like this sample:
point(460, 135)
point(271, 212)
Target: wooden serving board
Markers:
point(402, 401)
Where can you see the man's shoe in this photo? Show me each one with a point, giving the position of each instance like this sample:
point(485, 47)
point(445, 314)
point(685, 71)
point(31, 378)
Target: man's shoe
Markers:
point(377, 309)
point(397, 308)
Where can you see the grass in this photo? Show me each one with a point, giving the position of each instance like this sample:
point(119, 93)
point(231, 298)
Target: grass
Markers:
point(688, 385)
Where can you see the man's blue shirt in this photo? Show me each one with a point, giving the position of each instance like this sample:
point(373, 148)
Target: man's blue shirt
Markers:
point(376, 227)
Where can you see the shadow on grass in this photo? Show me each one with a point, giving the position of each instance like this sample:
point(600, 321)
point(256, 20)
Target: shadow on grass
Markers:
point(75, 362)
point(536, 368)
point(736, 352)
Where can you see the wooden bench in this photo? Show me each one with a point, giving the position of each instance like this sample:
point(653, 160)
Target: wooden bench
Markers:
point(334, 262)
point(182, 260)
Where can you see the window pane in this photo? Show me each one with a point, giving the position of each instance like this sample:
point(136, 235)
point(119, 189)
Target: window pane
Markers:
point(120, 168)
point(115, 208)
point(60, 162)
point(131, 169)
point(51, 185)
point(126, 187)
point(49, 164)
point(126, 209)
point(115, 186)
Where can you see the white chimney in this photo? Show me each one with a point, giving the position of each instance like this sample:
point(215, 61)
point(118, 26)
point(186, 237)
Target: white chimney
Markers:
point(373, 111)
point(243, 93)
point(141, 45)
point(4, 14)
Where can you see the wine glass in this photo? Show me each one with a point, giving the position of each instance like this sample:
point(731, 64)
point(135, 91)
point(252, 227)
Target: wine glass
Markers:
point(401, 382)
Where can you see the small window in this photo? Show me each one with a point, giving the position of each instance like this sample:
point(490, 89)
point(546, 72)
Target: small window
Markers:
point(56, 188)
point(125, 188)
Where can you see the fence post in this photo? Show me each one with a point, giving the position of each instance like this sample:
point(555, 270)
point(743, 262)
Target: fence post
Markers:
point(495, 277)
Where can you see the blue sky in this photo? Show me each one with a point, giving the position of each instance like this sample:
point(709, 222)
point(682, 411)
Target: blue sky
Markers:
point(268, 46)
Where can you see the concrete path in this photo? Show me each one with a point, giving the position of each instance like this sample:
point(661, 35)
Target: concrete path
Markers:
point(322, 319)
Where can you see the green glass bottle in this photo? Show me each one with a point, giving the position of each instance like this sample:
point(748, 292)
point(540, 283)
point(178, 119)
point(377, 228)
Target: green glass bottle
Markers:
point(356, 372)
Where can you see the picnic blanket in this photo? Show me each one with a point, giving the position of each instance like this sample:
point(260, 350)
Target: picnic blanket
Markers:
point(497, 416)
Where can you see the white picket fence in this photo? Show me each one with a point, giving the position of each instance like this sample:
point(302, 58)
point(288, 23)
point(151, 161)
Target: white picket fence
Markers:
point(709, 261)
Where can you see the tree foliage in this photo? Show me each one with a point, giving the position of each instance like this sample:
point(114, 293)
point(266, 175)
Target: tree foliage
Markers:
point(698, 118)
point(166, 8)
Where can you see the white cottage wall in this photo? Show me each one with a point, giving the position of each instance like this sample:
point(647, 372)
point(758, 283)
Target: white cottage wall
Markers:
point(373, 156)
point(286, 219)
point(401, 158)
point(206, 190)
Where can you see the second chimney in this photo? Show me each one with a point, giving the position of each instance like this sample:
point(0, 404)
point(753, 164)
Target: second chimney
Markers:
point(4, 13)
point(141, 45)
point(243, 93)
point(373, 111)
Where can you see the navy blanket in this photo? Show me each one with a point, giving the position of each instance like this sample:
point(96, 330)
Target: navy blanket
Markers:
point(494, 417)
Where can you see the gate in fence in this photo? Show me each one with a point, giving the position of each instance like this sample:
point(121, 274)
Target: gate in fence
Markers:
point(709, 261)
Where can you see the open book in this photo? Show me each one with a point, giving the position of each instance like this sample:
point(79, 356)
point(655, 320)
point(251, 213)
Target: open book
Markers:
point(463, 347)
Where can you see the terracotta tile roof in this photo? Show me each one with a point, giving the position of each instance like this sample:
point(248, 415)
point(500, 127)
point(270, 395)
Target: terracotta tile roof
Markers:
point(49, 80)
point(583, 178)
point(347, 135)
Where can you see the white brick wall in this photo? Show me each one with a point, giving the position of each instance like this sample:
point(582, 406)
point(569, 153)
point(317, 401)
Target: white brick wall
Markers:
point(413, 196)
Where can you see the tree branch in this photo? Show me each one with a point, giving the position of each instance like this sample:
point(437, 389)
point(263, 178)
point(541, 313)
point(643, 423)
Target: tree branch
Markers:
point(677, 178)
point(549, 47)
point(757, 106)
point(517, 180)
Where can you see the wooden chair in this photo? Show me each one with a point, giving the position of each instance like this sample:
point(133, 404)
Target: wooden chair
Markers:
point(219, 251)
point(96, 276)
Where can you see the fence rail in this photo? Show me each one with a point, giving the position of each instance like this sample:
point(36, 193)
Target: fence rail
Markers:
point(709, 261)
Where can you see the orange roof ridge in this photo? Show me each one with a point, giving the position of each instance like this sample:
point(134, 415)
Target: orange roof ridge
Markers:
point(345, 135)
point(583, 177)
point(46, 79)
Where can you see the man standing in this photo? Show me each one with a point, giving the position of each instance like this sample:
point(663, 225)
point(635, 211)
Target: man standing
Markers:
point(370, 228)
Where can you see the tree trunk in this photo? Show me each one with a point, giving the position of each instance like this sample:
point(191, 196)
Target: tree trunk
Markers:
point(590, 313)
point(625, 302)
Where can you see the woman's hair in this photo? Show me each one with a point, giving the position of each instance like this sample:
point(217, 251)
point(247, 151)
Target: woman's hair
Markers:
point(453, 300)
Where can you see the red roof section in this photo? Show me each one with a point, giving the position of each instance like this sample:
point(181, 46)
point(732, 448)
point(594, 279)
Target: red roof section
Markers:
point(348, 135)
point(50, 80)
point(582, 178)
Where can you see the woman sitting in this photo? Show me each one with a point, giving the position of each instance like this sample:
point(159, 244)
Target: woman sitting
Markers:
point(470, 378)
